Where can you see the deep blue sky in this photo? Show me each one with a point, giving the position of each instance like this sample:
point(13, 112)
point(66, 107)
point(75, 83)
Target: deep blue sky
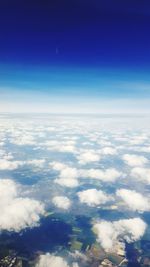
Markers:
point(74, 52)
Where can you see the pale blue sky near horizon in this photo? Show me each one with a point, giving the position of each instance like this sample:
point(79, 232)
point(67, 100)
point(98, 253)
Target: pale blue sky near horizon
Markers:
point(60, 89)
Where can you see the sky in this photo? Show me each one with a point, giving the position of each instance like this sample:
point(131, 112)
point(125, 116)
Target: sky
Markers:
point(75, 56)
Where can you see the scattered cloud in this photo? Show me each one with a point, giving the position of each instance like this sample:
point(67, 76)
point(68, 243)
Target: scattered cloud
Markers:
point(88, 157)
point(36, 162)
point(68, 182)
point(47, 260)
point(138, 140)
point(69, 172)
point(134, 200)
point(141, 174)
point(9, 165)
point(61, 146)
point(109, 233)
point(61, 202)
point(108, 175)
point(2, 143)
point(134, 160)
point(17, 213)
point(67, 175)
point(23, 140)
point(64, 170)
point(93, 197)
point(108, 150)
point(57, 166)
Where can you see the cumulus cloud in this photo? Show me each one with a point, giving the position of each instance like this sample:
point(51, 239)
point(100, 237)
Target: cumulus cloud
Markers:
point(138, 140)
point(75, 264)
point(77, 255)
point(134, 200)
point(134, 160)
point(36, 162)
point(17, 213)
point(145, 149)
point(8, 191)
point(88, 156)
point(61, 146)
point(93, 197)
point(69, 172)
point(142, 174)
point(109, 233)
point(47, 260)
point(104, 142)
point(68, 182)
point(57, 166)
point(2, 143)
point(108, 175)
point(67, 175)
point(108, 151)
point(23, 140)
point(9, 165)
point(64, 170)
point(61, 202)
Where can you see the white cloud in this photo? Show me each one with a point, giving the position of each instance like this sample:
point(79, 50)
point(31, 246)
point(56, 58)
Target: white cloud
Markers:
point(57, 166)
point(8, 191)
point(2, 143)
point(61, 202)
point(61, 146)
point(108, 175)
point(108, 151)
point(93, 197)
point(138, 140)
point(23, 140)
point(142, 174)
point(49, 260)
point(70, 173)
point(145, 149)
point(67, 175)
point(5, 157)
point(77, 255)
point(64, 170)
point(68, 182)
point(75, 264)
point(134, 160)
point(134, 200)
point(67, 148)
point(17, 213)
point(109, 233)
point(88, 156)
point(104, 142)
point(9, 165)
point(36, 162)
